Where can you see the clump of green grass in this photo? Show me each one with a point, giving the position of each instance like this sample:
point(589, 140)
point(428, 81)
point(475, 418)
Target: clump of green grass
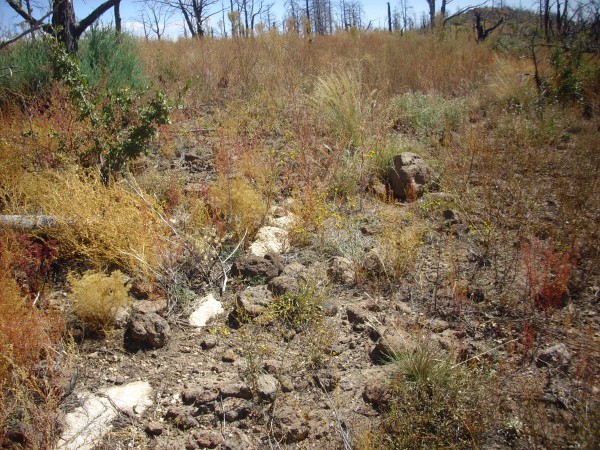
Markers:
point(434, 403)
point(428, 115)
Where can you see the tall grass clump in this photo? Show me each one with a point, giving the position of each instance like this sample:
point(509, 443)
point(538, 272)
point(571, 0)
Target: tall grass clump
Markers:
point(110, 60)
point(428, 115)
point(339, 102)
point(434, 403)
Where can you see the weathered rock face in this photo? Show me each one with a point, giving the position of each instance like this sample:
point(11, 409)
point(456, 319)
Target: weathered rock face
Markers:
point(146, 331)
point(252, 266)
point(408, 173)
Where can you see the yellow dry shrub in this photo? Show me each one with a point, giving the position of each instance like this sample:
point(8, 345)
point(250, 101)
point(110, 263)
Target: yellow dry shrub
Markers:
point(104, 225)
point(236, 202)
point(398, 244)
point(97, 297)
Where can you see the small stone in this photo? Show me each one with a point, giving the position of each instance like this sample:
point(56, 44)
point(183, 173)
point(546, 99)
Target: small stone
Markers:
point(119, 380)
point(326, 380)
point(437, 325)
point(209, 342)
point(181, 417)
point(341, 270)
point(238, 390)
point(557, 357)
point(154, 429)
point(283, 284)
point(289, 426)
point(286, 383)
point(147, 331)
point(356, 315)
point(204, 439)
point(233, 409)
point(237, 440)
point(377, 392)
point(266, 387)
point(207, 308)
point(252, 302)
point(329, 308)
point(256, 266)
point(228, 356)
point(408, 175)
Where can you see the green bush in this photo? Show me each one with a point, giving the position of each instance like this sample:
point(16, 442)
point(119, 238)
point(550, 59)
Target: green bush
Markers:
point(428, 115)
point(24, 69)
point(110, 60)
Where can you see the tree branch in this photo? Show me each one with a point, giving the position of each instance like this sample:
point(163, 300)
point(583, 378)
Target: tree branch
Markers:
point(93, 16)
point(463, 10)
point(39, 24)
point(20, 11)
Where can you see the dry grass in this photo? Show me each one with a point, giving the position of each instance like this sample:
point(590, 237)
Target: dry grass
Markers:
point(97, 223)
point(398, 242)
point(97, 298)
point(237, 205)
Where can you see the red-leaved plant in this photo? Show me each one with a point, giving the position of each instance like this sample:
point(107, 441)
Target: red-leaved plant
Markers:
point(548, 273)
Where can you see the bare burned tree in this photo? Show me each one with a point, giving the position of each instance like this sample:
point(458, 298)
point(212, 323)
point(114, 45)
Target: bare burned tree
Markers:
point(351, 14)
point(195, 13)
point(481, 31)
point(444, 17)
point(154, 17)
point(64, 24)
point(249, 10)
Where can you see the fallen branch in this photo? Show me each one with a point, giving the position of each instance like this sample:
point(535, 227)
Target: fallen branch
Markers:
point(28, 222)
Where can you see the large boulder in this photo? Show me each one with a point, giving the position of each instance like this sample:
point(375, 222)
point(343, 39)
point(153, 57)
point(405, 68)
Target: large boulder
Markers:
point(408, 175)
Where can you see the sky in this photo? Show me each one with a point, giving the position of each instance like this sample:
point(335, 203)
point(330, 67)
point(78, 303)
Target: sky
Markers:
point(374, 10)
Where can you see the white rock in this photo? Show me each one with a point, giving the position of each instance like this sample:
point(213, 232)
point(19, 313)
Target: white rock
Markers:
point(269, 239)
point(86, 425)
point(285, 222)
point(208, 307)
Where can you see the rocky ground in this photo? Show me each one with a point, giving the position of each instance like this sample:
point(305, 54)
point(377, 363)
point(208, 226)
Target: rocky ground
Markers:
point(243, 369)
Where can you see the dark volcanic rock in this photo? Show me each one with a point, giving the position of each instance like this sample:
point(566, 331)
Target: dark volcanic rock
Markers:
point(146, 331)
point(252, 266)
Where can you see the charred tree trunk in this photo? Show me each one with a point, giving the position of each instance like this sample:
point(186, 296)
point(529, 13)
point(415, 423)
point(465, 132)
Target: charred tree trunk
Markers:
point(481, 31)
point(118, 17)
point(63, 23)
point(389, 17)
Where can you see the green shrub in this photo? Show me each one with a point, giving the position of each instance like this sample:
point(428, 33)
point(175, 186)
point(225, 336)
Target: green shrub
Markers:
point(24, 69)
point(110, 60)
point(428, 115)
